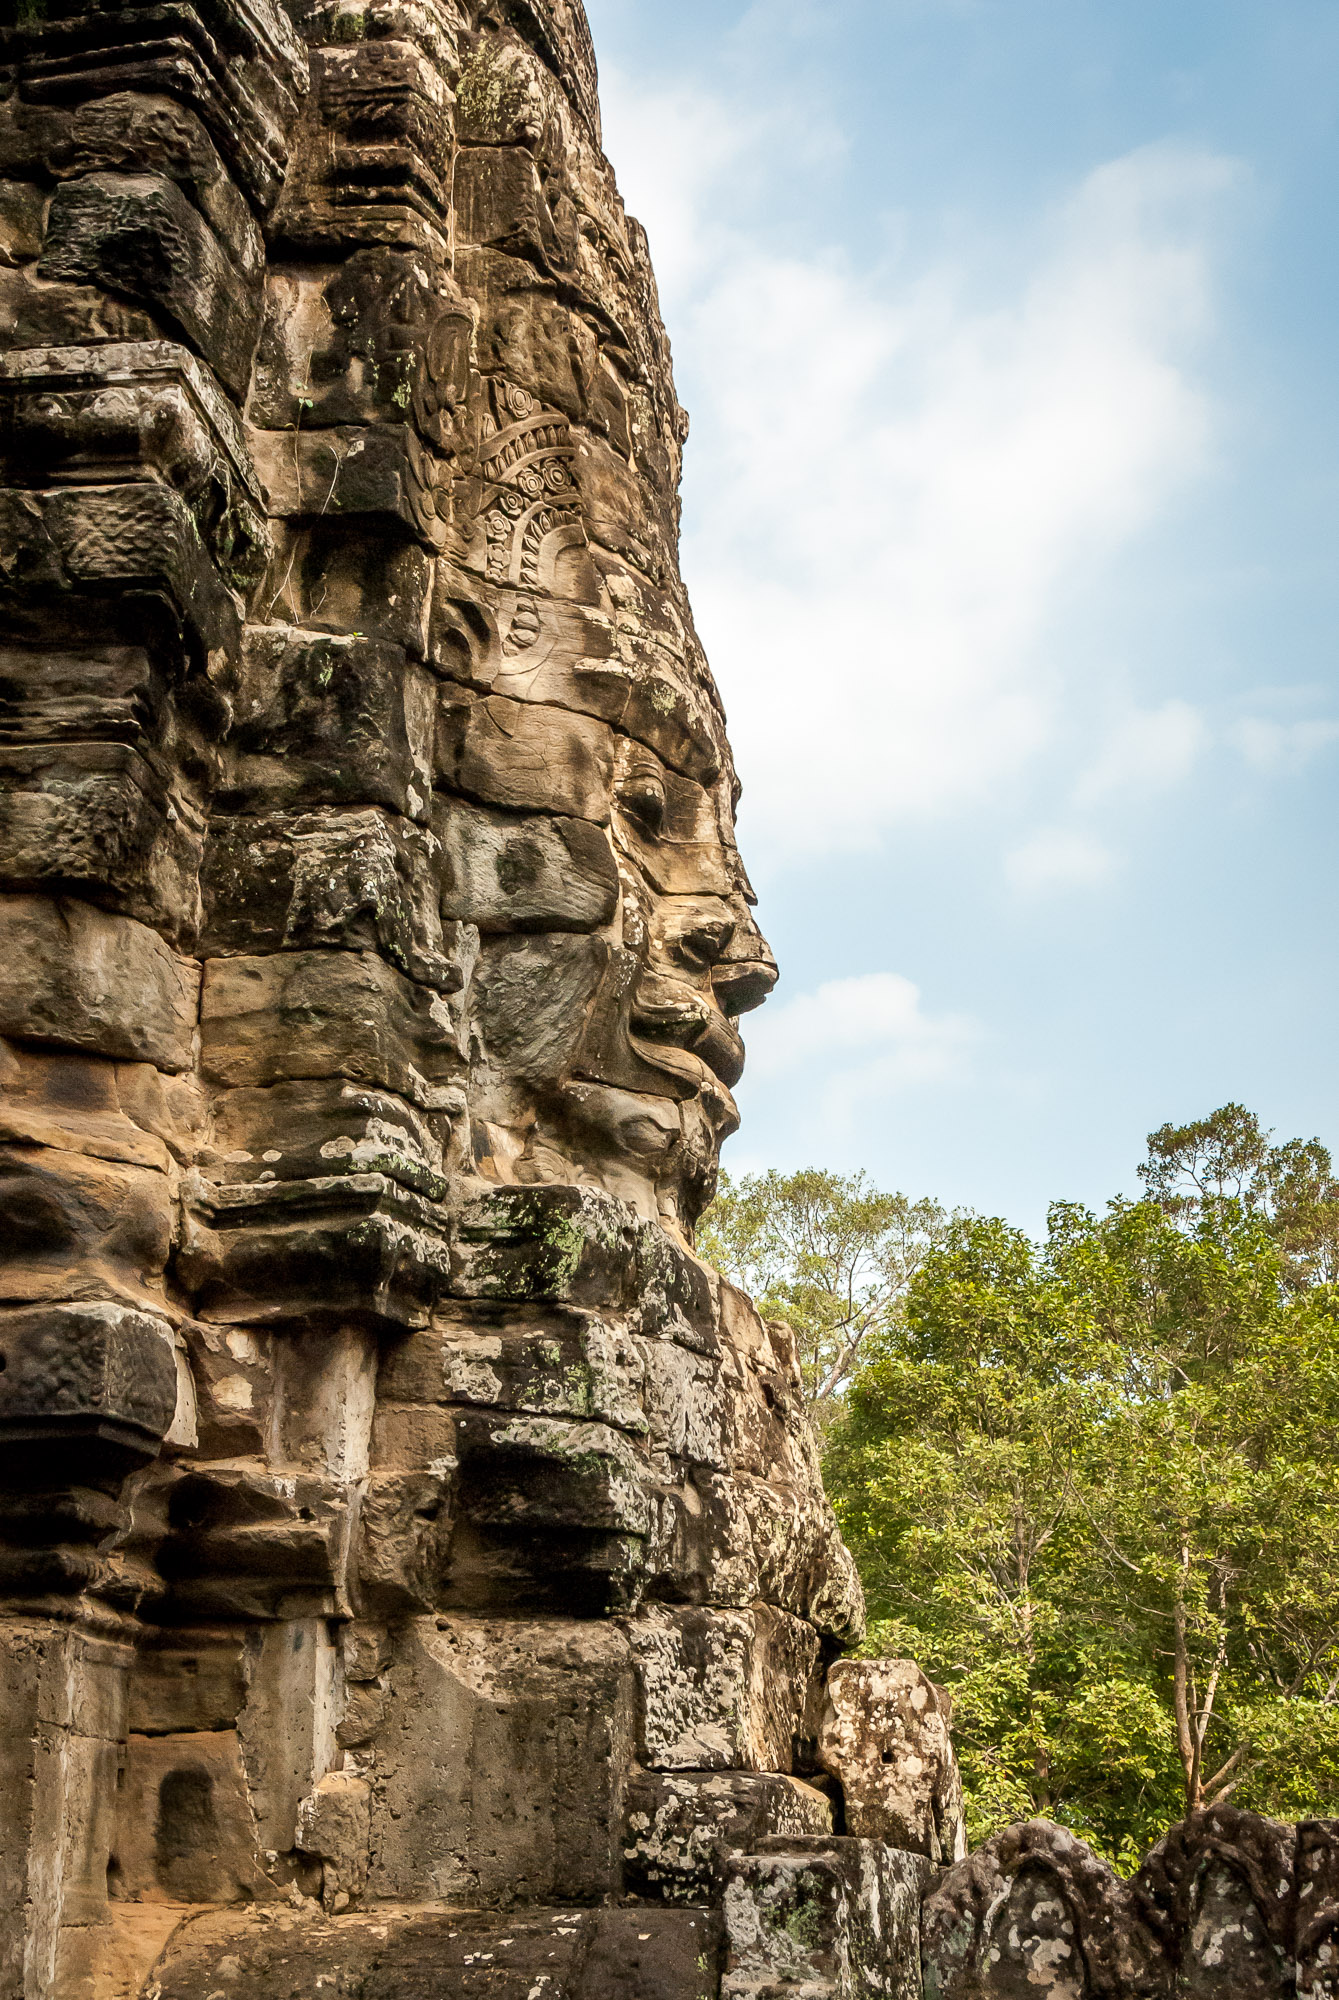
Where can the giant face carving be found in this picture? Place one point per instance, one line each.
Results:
(588, 831)
(582, 810)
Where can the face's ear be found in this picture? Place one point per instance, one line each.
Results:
(464, 640)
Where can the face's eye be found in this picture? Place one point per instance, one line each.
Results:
(643, 796)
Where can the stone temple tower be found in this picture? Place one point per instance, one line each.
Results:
(415, 1576)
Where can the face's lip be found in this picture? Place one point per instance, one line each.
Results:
(667, 1015)
(740, 985)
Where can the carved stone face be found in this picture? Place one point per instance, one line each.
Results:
(587, 826)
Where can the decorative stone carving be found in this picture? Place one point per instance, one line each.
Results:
(1229, 1906)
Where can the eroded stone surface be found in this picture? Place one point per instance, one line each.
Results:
(885, 1738)
(1227, 1904)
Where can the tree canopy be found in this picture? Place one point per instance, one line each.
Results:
(1090, 1482)
(825, 1252)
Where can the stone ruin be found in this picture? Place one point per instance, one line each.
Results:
(416, 1575)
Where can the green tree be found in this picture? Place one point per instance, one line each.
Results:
(1089, 1487)
(1229, 1157)
(827, 1253)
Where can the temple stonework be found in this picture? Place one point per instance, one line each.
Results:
(415, 1574)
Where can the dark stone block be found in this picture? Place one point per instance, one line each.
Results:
(137, 234)
(80, 1382)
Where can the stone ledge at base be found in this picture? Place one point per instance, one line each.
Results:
(417, 1954)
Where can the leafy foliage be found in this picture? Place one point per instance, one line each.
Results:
(828, 1254)
(1090, 1488)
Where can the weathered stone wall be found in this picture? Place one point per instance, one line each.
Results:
(398, 1524)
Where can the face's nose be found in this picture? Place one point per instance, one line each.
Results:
(745, 972)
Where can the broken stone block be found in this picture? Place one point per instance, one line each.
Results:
(885, 1738)
(82, 415)
(682, 1826)
(404, 1529)
(77, 547)
(77, 1227)
(335, 1825)
(826, 1919)
(1223, 1882)
(127, 132)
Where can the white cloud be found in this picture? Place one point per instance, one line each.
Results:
(1150, 749)
(1058, 858)
(870, 1032)
(1277, 748)
(896, 484)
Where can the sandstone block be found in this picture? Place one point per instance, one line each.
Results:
(565, 1245)
(532, 873)
(74, 1227)
(404, 1528)
(75, 415)
(136, 234)
(682, 1826)
(542, 1473)
(335, 1825)
(526, 758)
(185, 1831)
(130, 133)
(85, 1104)
(885, 1738)
(828, 1919)
(572, 1954)
(313, 1130)
(375, 585)
(242, 1542)
(366, 880)
(91, 543)
(326, 719)
(80, 1378)
(504, 1750)
(723, 1690)
(309, 1014)
(361, 1244)
(97, 818)
(75, 977)
(1036, 1910)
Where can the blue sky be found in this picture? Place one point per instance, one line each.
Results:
(1009, 329)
